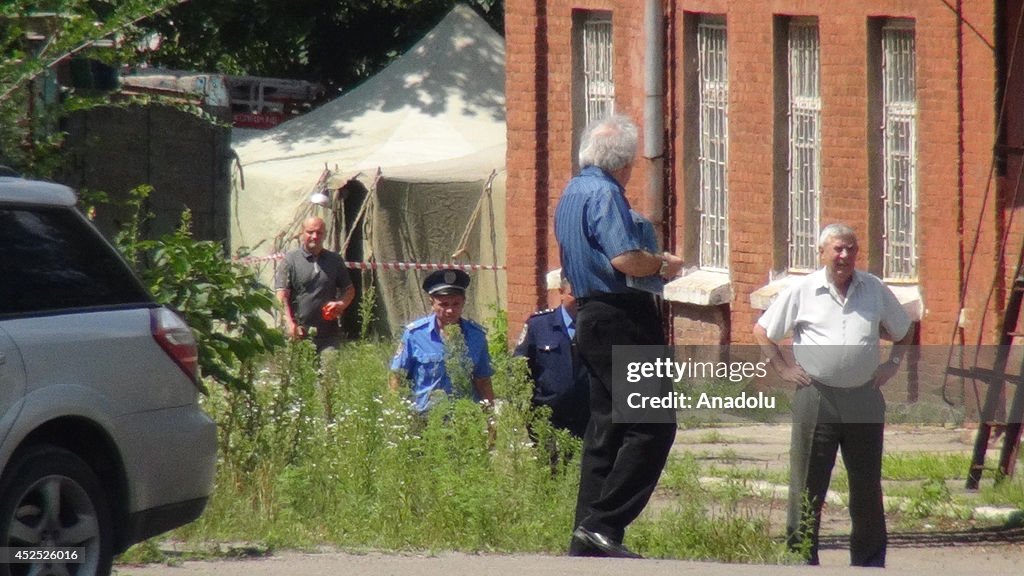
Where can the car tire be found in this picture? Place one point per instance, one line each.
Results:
(49, 497)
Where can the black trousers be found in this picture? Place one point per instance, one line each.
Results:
(825, 420)
(621, 462)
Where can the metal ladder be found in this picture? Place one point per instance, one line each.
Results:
(997, 379)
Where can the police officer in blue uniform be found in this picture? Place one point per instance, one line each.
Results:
(421, 356)
(560, 380)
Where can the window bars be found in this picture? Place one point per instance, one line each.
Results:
(804, 144)
(598, 72)
(713, 87)
(899, 142)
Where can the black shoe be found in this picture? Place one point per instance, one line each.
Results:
(588, 543)
(578, 547)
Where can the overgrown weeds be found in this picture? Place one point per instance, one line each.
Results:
(327, 455)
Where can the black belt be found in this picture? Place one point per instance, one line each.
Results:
(822, 385)
(616, 297)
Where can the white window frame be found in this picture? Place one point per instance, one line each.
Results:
(899, 151)
(713, 125)
(804, 222)
(598, 65)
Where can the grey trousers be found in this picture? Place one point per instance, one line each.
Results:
(825, 420)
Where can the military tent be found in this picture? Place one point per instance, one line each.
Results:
(412, 166)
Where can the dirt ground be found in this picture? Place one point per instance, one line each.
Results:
(949, 550)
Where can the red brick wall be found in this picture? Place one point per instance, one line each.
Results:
(700, 325)
(527, 189)
(538, 83)
(956, 133)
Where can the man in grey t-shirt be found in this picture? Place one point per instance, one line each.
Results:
(307, 284)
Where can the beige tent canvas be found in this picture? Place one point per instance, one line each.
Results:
(424, 139)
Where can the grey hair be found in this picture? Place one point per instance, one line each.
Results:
(609, 143)
(836, 230)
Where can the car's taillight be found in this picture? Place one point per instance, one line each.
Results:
(176, 338)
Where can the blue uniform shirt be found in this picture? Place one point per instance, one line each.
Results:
(561, 381)
(421, 356)
(569, 322)
(593, 224)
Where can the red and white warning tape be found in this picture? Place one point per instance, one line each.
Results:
(419, 266)
(258, 259)
(384, 265)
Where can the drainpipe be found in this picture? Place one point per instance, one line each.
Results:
(654, 109)
(654, 122)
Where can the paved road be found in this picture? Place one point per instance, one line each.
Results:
(950, 561)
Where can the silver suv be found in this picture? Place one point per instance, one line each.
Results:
(102, 441)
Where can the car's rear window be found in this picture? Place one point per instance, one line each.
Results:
(51, 259)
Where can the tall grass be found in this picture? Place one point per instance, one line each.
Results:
(331, 456)
(327, 455)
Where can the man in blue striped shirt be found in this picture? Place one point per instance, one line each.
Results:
(603, 252)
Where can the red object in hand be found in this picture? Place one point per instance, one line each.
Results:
(330, 313)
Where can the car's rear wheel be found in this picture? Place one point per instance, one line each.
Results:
(52, 499)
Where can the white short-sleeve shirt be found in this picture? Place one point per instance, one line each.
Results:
(835, 341)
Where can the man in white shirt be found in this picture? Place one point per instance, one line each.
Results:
(836, 316)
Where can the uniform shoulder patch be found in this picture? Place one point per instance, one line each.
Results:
(542, 312)
(522, 335)
(418, 323)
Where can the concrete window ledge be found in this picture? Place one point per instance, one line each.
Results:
(763, 297)
(701, 287)
(909, 296)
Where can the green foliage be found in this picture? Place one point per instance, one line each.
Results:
(921, 466)
(933, 496)
(336, 43)
(29, 103)
(328, 455)
(457, 362)
(367, 314)
(804, 538)
(221, 300)
(1007, 492)
(695, 532)
(701, 523)
(368, 472)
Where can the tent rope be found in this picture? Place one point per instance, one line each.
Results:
(462, 249)
(362, 212)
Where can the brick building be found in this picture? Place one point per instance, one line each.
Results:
(763, 120)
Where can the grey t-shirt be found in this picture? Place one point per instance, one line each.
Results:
(313, 281)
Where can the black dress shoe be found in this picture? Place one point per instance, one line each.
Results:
(597, 544)
(578, 547)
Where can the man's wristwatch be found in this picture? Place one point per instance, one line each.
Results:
(664, 267)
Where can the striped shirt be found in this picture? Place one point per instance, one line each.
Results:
(593, 224)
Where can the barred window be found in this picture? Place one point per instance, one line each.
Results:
(804, 144)
(597, 60)
(713, 99)
(899, 151)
